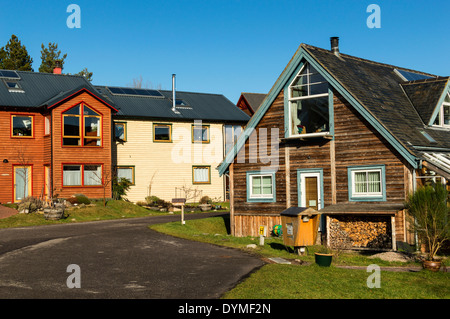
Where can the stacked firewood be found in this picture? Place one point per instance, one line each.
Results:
(349, 231)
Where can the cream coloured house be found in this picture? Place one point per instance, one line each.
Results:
(171, 149)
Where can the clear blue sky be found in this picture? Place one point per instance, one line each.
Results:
(227, 46)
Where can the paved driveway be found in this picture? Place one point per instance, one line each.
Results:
(116, 259)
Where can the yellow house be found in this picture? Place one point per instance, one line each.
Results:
(171, 150)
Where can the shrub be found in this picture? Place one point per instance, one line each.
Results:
(141, 203)
(428, 212)
(82, 199)
(152, 200)
(30, 205)
(205, 200)
(120, 187)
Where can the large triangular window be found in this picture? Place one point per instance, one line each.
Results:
(308, 104)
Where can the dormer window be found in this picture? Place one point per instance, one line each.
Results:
(443, 117)
(308, 104)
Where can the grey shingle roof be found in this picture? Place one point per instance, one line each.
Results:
(254, 99)
(380, 91)
(38, 88)
(198, 106)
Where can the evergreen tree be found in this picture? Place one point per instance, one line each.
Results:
(14, 56)
(85, 72)
(49, 56)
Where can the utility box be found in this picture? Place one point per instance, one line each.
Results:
(300, 226)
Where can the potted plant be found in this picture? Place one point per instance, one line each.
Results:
(205, 203)
(324, 256)
(428, 213)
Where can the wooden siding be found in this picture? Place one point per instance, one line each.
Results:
(18, 151)
(355, 143)
(81, 155)
(161, 167)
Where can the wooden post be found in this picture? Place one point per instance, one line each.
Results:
(180, 202)
(333, 172)
(287, 168)
(232, 224)
(394, 239)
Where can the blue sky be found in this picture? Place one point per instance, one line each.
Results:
(227, 46)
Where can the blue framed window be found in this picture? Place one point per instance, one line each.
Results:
(261, 186)
(366, 183)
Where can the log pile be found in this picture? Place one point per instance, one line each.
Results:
(350, 231)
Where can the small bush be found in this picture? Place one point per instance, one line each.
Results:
(152, 200)
(141, 203)
(79, 199)
(205, 200)
(30, 205)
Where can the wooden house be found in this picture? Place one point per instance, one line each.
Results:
(169, 147)
(250, 102)
(56, 140)
(346, 136)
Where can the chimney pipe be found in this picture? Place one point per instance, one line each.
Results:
(58, 68)
(173, 93)
(335, 45)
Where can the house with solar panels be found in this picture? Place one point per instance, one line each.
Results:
(354, 137)
(56, 137)
(63, 136)
(168, 144)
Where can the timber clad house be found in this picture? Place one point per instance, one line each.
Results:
(354, 138)
(63, 136)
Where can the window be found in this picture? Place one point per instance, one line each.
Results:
(367, 183)
(81, 127)
(47, 125)
(13, 86)
(308, 103)
(82, 175)
(201, 174)
(162, 133)
(120, 131)
(200, 133)
(21, 126)
(232, 133)
(443, 117)
(261, 187)
(126, 172)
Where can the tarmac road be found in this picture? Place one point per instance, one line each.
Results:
(121, 259)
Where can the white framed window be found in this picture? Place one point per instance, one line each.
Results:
(201, 174)
(367, 183)
(443, 117)
(308, 104)
(261, 187)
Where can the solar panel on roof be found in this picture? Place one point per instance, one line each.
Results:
(411, 76)
(9, 74)
(133, 91)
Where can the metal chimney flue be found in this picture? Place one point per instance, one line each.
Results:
(335, 45)
(173, 93)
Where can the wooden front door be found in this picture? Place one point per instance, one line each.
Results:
(310, 190)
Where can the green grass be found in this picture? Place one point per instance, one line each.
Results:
(279, 281)
(114, 209)
(274, 281)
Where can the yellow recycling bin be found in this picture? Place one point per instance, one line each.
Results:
(300, 226)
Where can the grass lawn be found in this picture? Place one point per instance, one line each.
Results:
(114, 209)
(279, 281)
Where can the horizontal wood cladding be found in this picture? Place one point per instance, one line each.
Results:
(17, 151)
(355, 143)
(81, 155)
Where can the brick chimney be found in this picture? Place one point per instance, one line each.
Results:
(58, 68)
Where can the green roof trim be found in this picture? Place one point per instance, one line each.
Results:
(439, 103)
